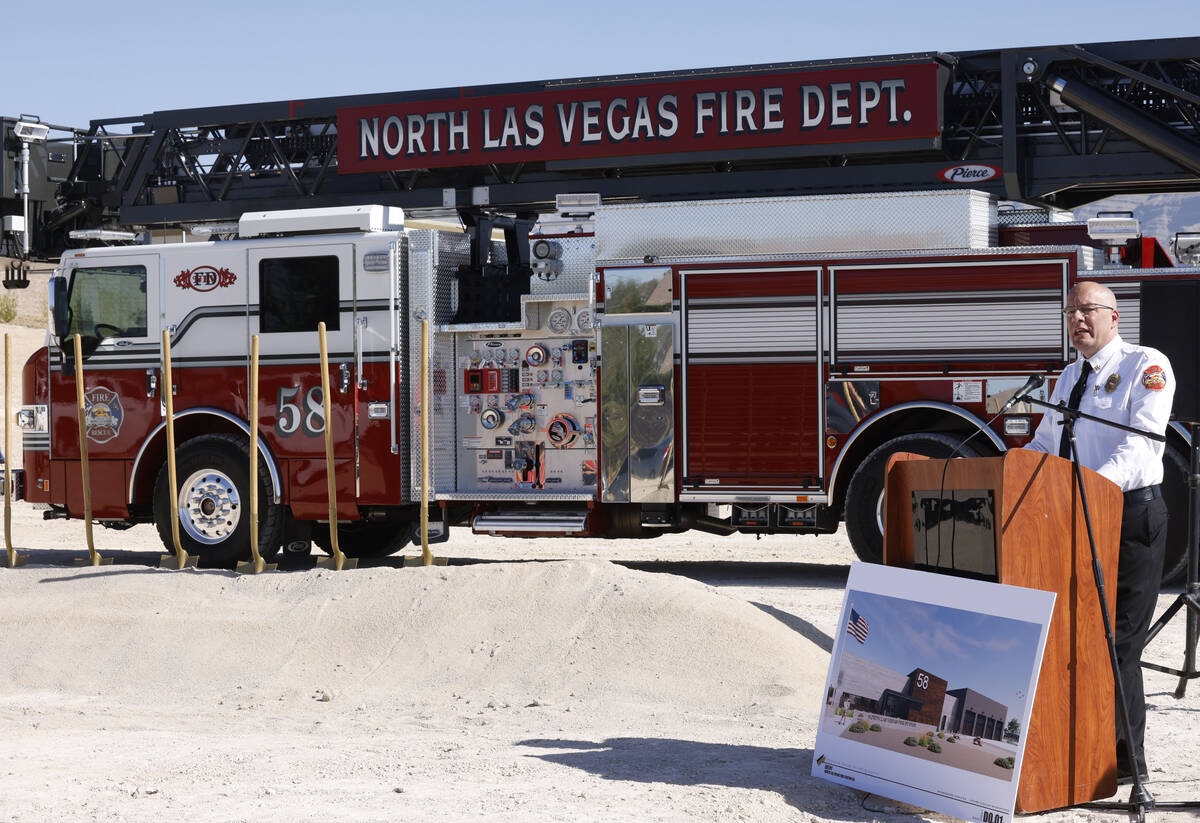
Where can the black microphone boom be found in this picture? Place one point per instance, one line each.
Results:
(1034, 381)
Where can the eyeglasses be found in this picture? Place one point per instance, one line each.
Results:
(1086, 310)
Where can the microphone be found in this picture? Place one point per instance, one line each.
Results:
(1034, 381)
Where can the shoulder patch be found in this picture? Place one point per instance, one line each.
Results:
(1154, 378)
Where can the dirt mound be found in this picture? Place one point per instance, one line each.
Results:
(505, 632)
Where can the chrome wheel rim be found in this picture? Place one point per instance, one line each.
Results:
(209, 506)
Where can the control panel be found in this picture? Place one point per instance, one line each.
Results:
(527, 405)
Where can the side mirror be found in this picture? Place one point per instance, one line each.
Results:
(58, 306)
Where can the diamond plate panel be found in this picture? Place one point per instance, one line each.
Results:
(1033, 217)
(578, 265)
(401, 390)
(421, 258)
(796, 225)
(1085, 257)
(453, 250)
(434, 257)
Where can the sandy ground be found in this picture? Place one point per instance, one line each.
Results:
(683, 686)
(563, 690)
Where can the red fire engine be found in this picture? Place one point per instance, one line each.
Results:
(786, 274)
(731, 366)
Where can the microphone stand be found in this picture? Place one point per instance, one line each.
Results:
(1140, 799)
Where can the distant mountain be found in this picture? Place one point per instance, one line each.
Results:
(1161, 215)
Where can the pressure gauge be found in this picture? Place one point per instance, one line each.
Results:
(583, 319)
(536, 355)
(559, 321)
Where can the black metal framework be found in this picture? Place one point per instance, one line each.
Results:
(1066, 124)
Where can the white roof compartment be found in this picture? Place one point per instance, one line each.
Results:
(307, 221)
(813, 224)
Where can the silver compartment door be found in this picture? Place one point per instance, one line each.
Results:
(637, 419)
(652, 413)
(614, 414)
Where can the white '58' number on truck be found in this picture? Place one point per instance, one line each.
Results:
(290, 417)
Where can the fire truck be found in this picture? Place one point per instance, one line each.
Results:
(715, 300)
(609, 371)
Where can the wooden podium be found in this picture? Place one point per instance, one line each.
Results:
(1041, 542)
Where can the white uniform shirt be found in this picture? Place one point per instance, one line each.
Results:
(1132, 385)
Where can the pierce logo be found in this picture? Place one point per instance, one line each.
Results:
(969, 173)
(205, 278)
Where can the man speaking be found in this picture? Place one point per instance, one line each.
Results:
(1134, 386)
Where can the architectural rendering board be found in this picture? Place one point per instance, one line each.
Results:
(930, 690)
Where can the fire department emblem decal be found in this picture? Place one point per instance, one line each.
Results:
(102, 414)
(205, 278)
(1154, 378)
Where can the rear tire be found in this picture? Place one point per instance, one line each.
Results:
(213, 502)
(365, 538)
(864, 495)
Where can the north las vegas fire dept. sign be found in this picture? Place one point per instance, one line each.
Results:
(785, 112)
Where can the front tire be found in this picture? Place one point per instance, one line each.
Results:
(864, 495)
(213, 501)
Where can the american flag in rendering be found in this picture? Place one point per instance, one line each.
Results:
(857, 627)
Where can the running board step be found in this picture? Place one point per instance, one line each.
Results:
(541, 522)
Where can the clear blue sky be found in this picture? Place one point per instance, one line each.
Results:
(69, 62)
